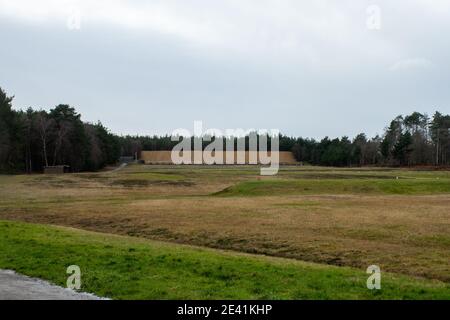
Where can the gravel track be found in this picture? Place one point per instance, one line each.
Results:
(15, 286)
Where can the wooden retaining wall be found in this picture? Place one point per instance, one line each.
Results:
(164, 157)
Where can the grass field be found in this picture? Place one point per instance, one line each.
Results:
(130, 268)
(341, 220)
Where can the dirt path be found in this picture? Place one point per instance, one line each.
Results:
(15, 286)
(123, 165)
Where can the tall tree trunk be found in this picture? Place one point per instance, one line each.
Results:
(44, 143)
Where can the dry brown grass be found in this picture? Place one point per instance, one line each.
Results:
(403, 234)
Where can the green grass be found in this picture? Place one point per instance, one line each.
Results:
(338, 186)
(131, 268)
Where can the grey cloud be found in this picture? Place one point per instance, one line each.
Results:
(306, 69)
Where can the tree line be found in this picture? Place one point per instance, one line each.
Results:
(33, 139)
(411, 140)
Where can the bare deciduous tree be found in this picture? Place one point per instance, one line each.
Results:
(44, 124)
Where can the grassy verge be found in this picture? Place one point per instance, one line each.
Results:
(338, 186)
(131, 268)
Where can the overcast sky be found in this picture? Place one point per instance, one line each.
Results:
(308, 68)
